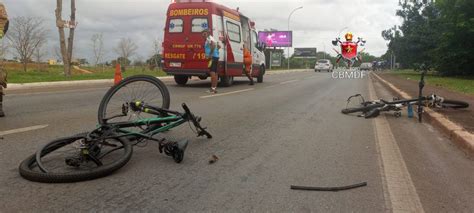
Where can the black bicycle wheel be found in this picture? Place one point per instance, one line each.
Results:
(64, 161)
(116, 105)
(454, 104)
(361, 109)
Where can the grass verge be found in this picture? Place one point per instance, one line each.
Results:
(464, 84)
(55, 73)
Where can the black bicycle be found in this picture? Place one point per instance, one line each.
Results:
(131, 113)
(371, 109)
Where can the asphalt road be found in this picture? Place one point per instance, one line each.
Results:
(285, 131)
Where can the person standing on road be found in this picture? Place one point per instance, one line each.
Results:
(211, 48)
(3, 74)
(248, 63)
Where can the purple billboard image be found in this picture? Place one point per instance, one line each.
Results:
(276, 38)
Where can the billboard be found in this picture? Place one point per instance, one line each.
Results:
(305, 53)
(276, 38)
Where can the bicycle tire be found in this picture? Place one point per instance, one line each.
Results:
(159, 85)
(361, 109)
(28, 171)
(453, 104)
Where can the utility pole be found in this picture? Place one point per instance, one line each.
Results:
(66, 49)
(288, 48)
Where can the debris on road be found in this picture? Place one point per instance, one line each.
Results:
(213, 159)
(331, 189)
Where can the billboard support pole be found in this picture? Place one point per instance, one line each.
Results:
(271, 58)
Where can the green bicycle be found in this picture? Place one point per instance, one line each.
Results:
(131, 112)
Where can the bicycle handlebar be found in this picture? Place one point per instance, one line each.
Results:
(196, 121)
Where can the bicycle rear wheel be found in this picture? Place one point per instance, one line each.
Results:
(116, 105)
(454, 104)
(361, 109)
(71, 159)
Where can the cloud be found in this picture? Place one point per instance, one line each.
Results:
(143, 20)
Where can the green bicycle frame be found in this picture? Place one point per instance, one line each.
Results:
(171, 121)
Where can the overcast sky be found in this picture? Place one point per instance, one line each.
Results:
(143, 20)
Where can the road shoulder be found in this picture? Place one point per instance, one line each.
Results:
(455, 130)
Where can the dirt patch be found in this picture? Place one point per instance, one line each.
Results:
(463, 117)
(80, 70)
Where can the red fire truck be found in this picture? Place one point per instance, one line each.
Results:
(183, 45)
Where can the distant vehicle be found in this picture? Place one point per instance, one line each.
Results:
(366, 66)
(323, 64)
(183, 45)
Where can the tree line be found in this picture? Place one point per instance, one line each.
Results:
(28, 36)
(438, 33)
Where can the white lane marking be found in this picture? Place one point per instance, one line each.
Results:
(271, 86)
(398, 185)
(290, 81)
(25, 129)
(59, 92)
(227, 93)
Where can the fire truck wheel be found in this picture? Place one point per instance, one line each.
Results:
(181, 79)
(202, 77)
(227, 81)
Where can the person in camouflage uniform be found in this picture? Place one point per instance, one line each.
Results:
(3, 74)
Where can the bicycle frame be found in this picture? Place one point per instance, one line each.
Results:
(407, 101)
(373, 108)
(171, 118)
(171, 122)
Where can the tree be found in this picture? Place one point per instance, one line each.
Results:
(66, 50)
(97, 47)
(125, 49)
(38, 55)
(456, 40)
(413, 42)
(439, 33)
(57, 53)
(156, 54)
(25, 35)
(122, 61)
(138, 62)
(367, 57)
(154, 61)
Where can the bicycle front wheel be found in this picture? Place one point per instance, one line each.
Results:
(77, 158)
(454, 104)
(116, 106)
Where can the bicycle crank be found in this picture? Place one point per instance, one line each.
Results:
(173, 149)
